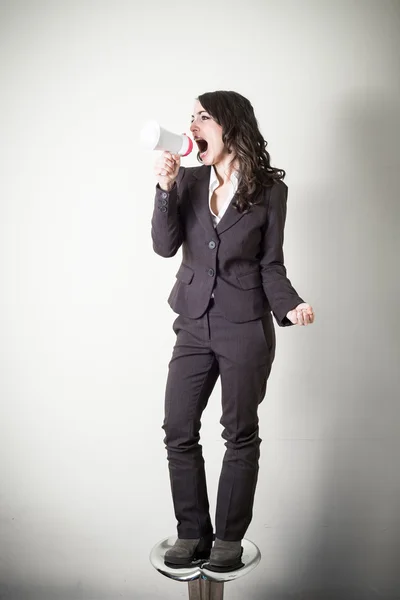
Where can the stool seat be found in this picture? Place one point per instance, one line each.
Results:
(250, 559)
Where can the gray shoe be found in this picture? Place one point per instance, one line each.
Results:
(225, 556)
(184, 552)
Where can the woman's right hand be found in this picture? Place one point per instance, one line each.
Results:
(166, 169)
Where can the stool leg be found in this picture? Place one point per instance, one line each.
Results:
(204, 589)
(194, 590)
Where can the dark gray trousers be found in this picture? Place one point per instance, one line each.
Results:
(242, 355)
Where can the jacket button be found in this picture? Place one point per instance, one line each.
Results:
(163, 202)
(164, 195)
(211, 272)
(212, 244)
(163, 208)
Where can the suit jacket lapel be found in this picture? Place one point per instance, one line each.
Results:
(199, 190)
(230, 218)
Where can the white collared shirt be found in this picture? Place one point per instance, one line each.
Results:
(214, 183)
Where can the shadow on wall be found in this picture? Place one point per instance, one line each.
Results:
(354, 551)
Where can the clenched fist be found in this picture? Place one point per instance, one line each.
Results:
(166, 169)
(303, 314)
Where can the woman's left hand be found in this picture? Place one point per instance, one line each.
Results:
(303, 314)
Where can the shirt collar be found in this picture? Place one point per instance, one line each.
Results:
(214, 180)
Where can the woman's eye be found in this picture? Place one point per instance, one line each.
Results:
(203, 118)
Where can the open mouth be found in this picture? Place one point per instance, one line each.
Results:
(202, 146)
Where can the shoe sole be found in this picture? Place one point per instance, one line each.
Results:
(225, 569)
(219, 568)
(187, 562)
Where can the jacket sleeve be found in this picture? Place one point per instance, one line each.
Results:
(281, 295)
(166, 225)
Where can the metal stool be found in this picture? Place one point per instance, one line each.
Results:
(204, 584)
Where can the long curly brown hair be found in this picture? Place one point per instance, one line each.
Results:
(241, 135)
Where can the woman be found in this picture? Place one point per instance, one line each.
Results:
(228, 215)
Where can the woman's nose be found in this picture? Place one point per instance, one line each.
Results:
(193, 127)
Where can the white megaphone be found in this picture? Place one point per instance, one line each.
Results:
(155, 137)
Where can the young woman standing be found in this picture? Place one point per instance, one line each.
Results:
(228, 216)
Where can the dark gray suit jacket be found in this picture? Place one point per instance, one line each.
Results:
(240, 261)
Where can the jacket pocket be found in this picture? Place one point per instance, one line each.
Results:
(251, 280)
(185, 274)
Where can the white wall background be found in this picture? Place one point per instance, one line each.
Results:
(85, 328)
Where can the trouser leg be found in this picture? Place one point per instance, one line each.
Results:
(193, 371)
(245, 354)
